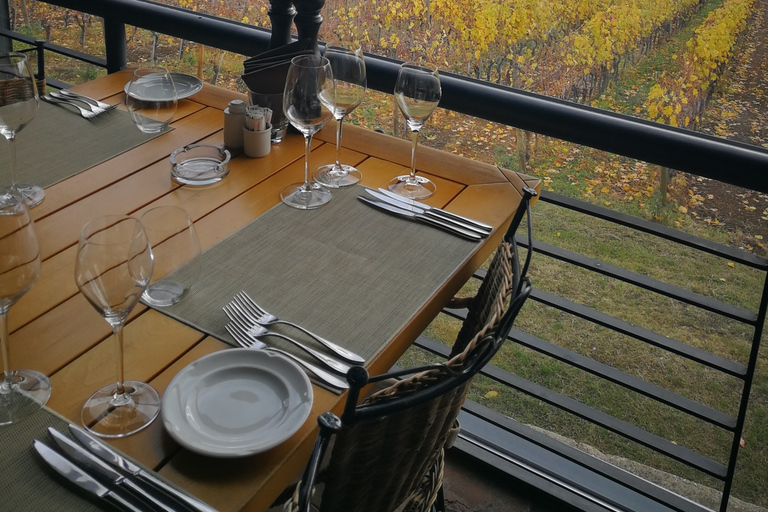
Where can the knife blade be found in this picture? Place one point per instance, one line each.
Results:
(418, 209)
(450, 228)
(82, 479)
(111, 456)
(104, 472)
(436, 211)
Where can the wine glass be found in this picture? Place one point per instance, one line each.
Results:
(21, 391)
(151, 99)
(18, 106)
(114, 265)
(309, 79)
(417, 93)
(348, 68)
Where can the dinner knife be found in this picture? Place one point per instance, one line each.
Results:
(111, 456)
(418, 209)
(82, 479)
(437, 211)
(78, 454)
(445, 226)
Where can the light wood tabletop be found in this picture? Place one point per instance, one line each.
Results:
(55, 330)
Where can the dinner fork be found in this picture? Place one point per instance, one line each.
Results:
(77, 101)
(246, 341)
(88, 114)
(237, 316)
(262, 317)
(100, 104)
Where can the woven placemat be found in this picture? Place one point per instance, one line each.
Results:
(346, 271)
(58, 143)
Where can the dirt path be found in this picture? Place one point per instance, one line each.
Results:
(738, 112)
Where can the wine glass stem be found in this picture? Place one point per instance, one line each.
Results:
(307, 151)
(12, 155)
(118, 337)
(4, 349)
(414, 143)
(339, 121)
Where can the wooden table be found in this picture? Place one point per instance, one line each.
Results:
(56, 331)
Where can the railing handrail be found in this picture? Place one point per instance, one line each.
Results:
(685, 150)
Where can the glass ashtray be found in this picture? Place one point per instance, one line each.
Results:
(199, 164)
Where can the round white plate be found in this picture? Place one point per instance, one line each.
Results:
(186, 86)
(236, 402)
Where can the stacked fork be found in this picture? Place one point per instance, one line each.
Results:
(249, 322)
(89, 108)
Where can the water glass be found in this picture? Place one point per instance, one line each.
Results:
(151, 99)
(177, 253)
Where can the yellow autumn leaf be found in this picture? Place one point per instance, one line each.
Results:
(731, 264)
(491, 394)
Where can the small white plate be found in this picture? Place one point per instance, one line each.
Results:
(186, 85)
(236, 402)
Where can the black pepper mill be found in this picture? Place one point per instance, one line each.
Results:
(308, 18)
(281, 13)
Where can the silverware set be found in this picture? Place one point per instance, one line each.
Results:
(98, 469)
(398, 205)
(249, 323)
(88, 108)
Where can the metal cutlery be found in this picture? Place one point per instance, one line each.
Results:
(78, 101)
(262, 317)
(86, 113)
(109, 455)
(420, 217)
(237, 315)
(88, 99)
(89, 462)
(425, 211)
(437, 211)
(245, 341)
(82, 479)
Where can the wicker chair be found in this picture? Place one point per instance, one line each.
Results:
(12, 90)
(388, 452)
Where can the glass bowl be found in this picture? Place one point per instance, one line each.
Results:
(199, 164)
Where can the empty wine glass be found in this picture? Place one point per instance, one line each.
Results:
(176, 250)
(113, 267)
(151, 99)
(18, 106)
(350, 82)
(417, 93)
(21, 391)
(309, 78)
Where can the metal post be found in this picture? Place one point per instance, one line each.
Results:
(114, 43)
(6, 44)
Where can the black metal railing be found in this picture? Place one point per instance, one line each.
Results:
(523, 452)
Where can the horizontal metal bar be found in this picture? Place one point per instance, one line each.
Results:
(62, 50)
(653, 338)
(665, 396)
(645, 282)
(653, 228)
(624, 429)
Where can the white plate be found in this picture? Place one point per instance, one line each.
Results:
(236, 402)
(186, 86)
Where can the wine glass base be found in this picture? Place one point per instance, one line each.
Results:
(24, 393)
(337, 176)
(305, 196)
(163, 293)
(33, 195)
(110, 415)
(418, 188)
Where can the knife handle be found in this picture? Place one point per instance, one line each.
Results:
(434, 213)
(451, 228)
(121, 503)
(191, 504)
(456, 216)
(142, 494)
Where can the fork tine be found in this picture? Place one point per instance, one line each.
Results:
(239, 338)
(252, 303)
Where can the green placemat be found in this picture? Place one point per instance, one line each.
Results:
(58, 144)
(346, 271)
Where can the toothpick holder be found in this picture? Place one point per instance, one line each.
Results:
(257, 144)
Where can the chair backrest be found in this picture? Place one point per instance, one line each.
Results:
(389, 449)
